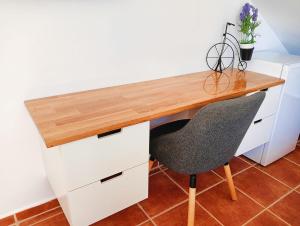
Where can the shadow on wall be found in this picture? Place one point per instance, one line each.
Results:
(283, 17)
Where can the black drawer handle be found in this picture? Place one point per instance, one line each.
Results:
(266, 89)
(111, 177)
(109, 133)
(257, 121)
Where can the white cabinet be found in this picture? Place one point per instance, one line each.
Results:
(96, 177)
(98, 200)
(259, 132)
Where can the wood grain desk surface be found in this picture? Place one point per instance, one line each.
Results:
(65, 118)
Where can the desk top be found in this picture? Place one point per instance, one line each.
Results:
(69, 117)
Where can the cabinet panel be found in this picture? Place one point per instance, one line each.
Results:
(88, 160)
(96, 201)
(258, 133)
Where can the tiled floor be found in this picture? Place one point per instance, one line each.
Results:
(267, 196)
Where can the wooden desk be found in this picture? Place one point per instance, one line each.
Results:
(65, 118)
(107, 174)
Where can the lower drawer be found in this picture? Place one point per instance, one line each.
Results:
(258, 133)
(98, 200)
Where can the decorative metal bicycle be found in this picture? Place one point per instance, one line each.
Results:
(221, 55)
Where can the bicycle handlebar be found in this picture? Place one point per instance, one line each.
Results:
(231, 24)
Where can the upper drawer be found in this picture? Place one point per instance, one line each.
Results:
(257, 134)
(270, 103)
(91, 159)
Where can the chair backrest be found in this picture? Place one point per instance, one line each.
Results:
(214, 134)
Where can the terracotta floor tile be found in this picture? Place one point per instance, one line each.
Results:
(148, 223)
(7, 220)
(263, 188)
(163, 193)
(218, 202)
(236, 165)
(178, 217)
(294, 156)
(284, 171)
(37, 210)
(130, 216)
(288, 208)
(266, 218)
(204, 180)
(154, 170)
(41, 217)
(250, 161)
(57, 220)
(298, 189)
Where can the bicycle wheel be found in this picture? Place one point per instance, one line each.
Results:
(220, 56)
(242, 65)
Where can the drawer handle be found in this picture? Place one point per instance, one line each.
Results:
(266, 89)
(257, 121)
(111, 177)
(109, 133)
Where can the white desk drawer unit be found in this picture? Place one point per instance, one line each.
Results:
(93, 158)
(260, 129)
(258, 133)
(270, 103)
(98, 200)
(90, 177)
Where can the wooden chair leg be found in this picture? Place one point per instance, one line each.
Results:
(230, 182)
(192, 201)
(150, 164)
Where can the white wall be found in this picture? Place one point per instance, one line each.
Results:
(283, 17)
(49, 47)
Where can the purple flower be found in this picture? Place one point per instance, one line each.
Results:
(246, 9)
(242, 16)
(255, 15)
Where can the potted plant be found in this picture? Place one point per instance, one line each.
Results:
(249, 23)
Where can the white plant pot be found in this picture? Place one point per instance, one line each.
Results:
(247, 46)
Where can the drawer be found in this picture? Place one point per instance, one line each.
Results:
(88, 160)
(258, 133)
(270, 103)
(96, 201)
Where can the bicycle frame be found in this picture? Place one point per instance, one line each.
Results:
(229, 40)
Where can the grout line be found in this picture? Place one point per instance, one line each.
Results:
(255, 216)
(147, 215)
(291, 161)
(29, 218)
(44, 219)
(267, 208)
(217, 174)
(16, 220)
(248, 196)
(170, 208)
(214, 185)
(264, 208)
(252, 164)
(178, 185)
(271, 212)
(278, 200)
(145, 221)
(209, 213)
(273, 177)
(241, 171)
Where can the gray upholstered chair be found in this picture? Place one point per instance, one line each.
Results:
(207, 141)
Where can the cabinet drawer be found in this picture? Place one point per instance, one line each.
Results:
(88, 160)
(258, 133)
(96, 201)
(270, 103)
